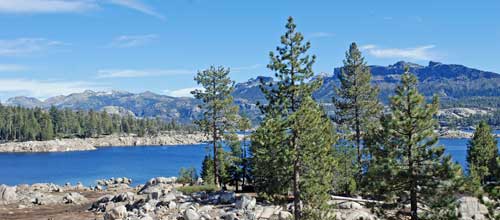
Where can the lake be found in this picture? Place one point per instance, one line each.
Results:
(138, 163)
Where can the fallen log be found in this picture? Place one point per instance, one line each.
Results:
(356, 199)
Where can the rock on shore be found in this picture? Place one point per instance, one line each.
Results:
(159, 199)
(78, 144)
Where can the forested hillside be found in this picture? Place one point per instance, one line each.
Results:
(27, 124)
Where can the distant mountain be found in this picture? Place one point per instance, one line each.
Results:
(451, 82)
(146, 104)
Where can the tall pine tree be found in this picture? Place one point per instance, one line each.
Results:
(406, 158)
(219, 112)
(356, 103)
(277, 143)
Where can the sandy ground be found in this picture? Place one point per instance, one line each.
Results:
(53, 212)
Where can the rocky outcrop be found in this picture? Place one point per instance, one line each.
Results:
(62, 145)
(7, 194)
(470, 208)
(78, 144)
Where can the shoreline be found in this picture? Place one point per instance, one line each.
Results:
(89, 144)
(166, 139)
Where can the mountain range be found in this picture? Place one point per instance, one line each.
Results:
(451, 82)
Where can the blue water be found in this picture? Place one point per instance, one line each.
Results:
(457, 148)
(138, 163)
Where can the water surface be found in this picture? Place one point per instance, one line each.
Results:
(138, 163)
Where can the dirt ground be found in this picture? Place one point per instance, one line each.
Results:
(52, 212)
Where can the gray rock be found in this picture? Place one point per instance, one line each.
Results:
(227, 197)
(146, 217)
(74, 198)
(117, 213)
(230, 216)
(471, 208)
(45, 199)
(7, 193)
(172, 205)
(122, 197)
(284, 215)
(246, 202)
(191, 214)
(168, 197)
(360, 215)
(349, 205)
(267, 212)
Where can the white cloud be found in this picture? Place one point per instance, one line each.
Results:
(126, 41)
(11, 68)
(244, 68)
(45, 6)
(321, 34)
(416, 53)
(136, 73)
(184, 92)
(22, 46)
(138, 6)
(71, 6)
(44, 89)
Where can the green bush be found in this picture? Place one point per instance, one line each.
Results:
(197, 188)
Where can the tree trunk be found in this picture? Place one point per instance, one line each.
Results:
(296, 190)
(216, 171)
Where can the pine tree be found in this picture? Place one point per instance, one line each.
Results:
(315, 140)
(482, 153)
(356, 103)
(219, 112)
(272, 168)
(406, 158)
(207, 172)
(293, 70)
(47, 131)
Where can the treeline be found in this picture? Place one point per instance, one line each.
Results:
(492, 119)
(363, 150)
(25, 124)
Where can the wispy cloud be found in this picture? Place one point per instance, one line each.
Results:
(136, 73)
(12, 68)
(321, 34)
(138, 6)
(184, 92)
(45, 6)
(44, 89)
(22, 46)
(415, 53)
(126, 41)
(245, 68)
(71, 6)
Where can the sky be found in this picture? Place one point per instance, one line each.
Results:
(58, 47)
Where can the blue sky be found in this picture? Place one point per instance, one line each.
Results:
(54, 47)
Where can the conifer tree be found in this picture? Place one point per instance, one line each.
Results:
(219, 112)
(272, 165)
(482, 153)
(406, 158)
(315, 140)
(207, 173)
(356, 103)
(276, 143)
